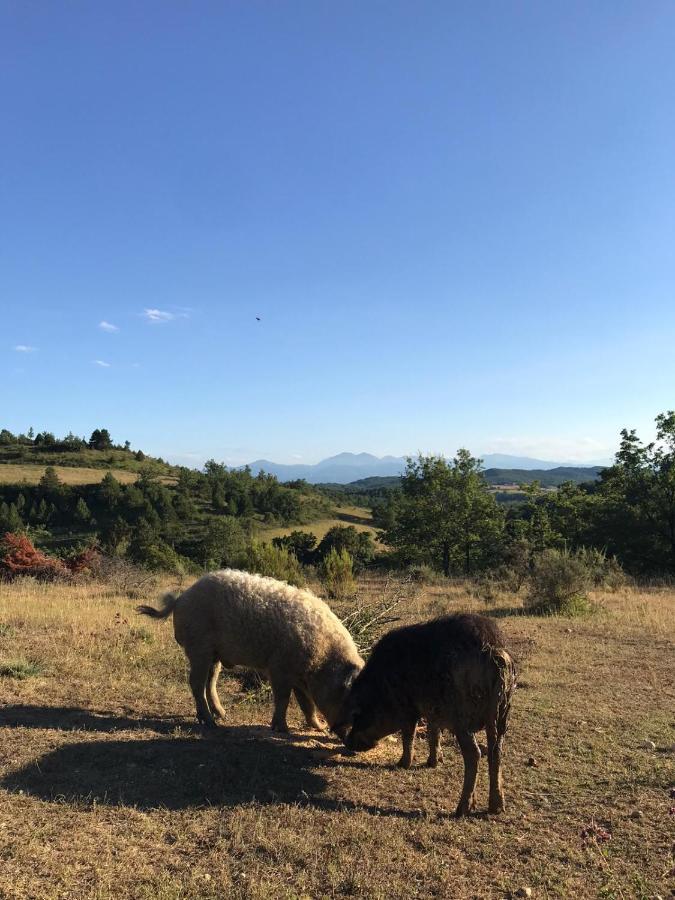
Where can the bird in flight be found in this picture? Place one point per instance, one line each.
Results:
(257, 318)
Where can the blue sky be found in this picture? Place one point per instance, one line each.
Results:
(454, 220)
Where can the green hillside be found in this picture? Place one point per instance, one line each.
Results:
(71, 492)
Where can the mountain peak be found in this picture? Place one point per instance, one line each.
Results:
(346, 467)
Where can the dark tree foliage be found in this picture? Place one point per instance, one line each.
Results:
(100, 439)
(359, 544)
(302, 544)
(444, 515)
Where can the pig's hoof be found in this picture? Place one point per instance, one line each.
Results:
(280, 728)
(496, 806)
(404, 763)
(432, 763)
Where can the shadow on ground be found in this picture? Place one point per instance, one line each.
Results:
(237, 767)
(73, 718)
(231, 766)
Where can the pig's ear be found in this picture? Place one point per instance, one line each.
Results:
(350, 675)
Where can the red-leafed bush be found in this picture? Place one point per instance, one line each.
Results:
(18, 556)
(88, 560)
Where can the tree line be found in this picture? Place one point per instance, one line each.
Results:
(445, 515)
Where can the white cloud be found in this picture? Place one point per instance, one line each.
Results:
(162, 316)
(107, 326)
(24, 348)
(101, 362)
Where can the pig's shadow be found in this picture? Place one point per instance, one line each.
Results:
(172, 773)
(228, 767)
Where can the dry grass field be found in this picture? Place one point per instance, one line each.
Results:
(358, 516)
(108, 789)
(11, 473)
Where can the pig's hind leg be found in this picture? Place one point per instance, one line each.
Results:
(471, 753)
(212, 691)
(201, 662)
(435, 752)
(308, 708)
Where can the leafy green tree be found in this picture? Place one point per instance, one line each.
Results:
(6, 437)
(115, 535)
(223, 542)
(446, 515)
(635, 511)
(100, 439)
(109, 492)
(45, 439)
(82, 513)
(73, 442)
(43, 513)
(337, 574)
(276, 562)
(10, 520)
(359, 544)
(300, 543)
(50, 483)
(147, 548)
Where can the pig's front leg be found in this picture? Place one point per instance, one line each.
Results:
(408, 736)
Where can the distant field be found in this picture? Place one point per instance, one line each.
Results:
(357, 516)
(31, 474)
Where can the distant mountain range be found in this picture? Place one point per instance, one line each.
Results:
(347, 467)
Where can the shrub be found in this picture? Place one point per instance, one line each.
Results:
(337, 574)
(84, 561)
(276, 562)
(358, 544)
(18, 556)
(424, 574)
(558, 582)
(301, 543)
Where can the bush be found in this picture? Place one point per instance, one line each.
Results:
(275, 562)
(337, 574)
(18, 556)
(558, 582)
(421, 573)
(300, 543)
(358, 544)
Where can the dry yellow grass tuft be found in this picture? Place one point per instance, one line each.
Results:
(109, 790)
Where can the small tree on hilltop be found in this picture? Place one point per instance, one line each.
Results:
(100, 439)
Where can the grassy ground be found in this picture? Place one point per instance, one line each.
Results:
(357, 516)
(109, 790)
(11, 473)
